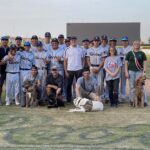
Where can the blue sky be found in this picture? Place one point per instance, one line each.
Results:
(28, 17)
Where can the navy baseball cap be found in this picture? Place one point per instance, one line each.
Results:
(61, 36)
(34, 37)
(13, 47)
(73, 38)
(67, 40)
(39, 44)
(4, 38)
(104, 37)
(125, 38)
(86, 40)
(47, 34)
(96, 38)
(18, 38)
(113, 39)
(27, 44)
(55, 40)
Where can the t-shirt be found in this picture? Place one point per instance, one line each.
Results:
(74, 56)
(112, 63)
(141, 57)
(90, 84)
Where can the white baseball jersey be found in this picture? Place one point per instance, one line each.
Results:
(104, 50)
(62, 46)
(74, 56)
(27, 60)
(14, 65)
(40, 57)
(95, 55)
(123, 51)
(47, 46)
(52, 56)
(33, 48)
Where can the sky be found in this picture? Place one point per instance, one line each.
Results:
(28, 17)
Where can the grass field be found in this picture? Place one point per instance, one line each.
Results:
(123, 128)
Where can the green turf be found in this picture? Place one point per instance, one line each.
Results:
(45, 129)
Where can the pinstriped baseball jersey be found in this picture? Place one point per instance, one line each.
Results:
(40, 57)
(95, 55)
(27, 60)
(14, 65)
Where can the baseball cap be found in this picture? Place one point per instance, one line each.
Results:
(18, 38)
(47, 34)
(73, 38)
(96, 38)
(104, 37)
(67, 40)
(113, 39)
(39, 44)
(34, 37)
(27, 44)
(61, 36)
(4, 38)
(55, 40)
(86, 40)
(125, 38)
(54, 68)
(13, 47)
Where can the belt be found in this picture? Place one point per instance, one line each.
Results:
(13, 72)
(94, 65)
(43, 68)
(24, 69)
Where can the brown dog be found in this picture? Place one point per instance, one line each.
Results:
(139, 95)
(31, 94)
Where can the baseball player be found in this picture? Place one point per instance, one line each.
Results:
(34, 41)
(18, 41)
(41, 59)
(47, 42)
(94, 59)
(122, 53)
(27, 60)
(62, 45)
(12, 77)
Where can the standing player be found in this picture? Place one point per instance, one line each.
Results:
(41, 59)
(3, 52)
(34, 42)
(12, 78)
(95, 61)
(47, 42)
(61, 42)
(104, 50)
(18, 41)
(27, 60)
(122, 52)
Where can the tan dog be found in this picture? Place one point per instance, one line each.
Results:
(139, 95)
(31, 94)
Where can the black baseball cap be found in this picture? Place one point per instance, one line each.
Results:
(18, 38)
(73, 38)
(47, 34)
(4, 38)
(13, 47)
(34, 37)
(55, 40)
(39, 44)
(96, 38)
(60, 36)
(104, 37)
(86, 40)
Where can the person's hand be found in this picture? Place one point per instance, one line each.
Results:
(127, 74)
(94, 70)
(66, 74)
(46, 61)
(57, 59)
(97, 98)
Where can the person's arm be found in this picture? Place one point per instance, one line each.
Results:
(126, 69)
(78, 93)
(65, 66)
(88, 61)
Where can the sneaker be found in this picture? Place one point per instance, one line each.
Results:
(145, 104)
(17, 103)
(7, 103)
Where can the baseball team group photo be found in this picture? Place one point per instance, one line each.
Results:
(74, 75)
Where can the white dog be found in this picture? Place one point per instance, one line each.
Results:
(86, 105)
